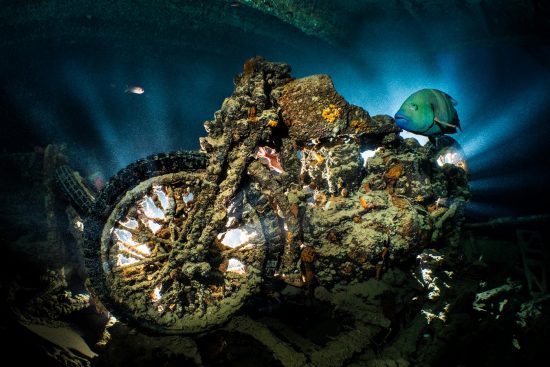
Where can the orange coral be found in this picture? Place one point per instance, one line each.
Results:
(357, 257)
(366, 187)
(272, 123)
(320, 198)
(308, 254)
(346, 268)
(289, 236)
(358, 125)
(395, 171)
(252, 114)
(318, 158)
(331, 113)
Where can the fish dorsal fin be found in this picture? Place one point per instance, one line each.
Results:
(453, 101)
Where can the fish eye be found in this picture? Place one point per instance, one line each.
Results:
(414, 107)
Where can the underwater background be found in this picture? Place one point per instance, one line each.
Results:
(67, 69)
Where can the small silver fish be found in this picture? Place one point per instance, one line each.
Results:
(134, 89)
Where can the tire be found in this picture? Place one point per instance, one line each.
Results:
(81, 197)
(139, 264)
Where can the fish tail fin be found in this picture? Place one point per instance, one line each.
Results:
(127, 89)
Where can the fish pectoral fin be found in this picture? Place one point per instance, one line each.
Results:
(438, 121)
(458, 124)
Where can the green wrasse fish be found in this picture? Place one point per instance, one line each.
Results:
(428, 112)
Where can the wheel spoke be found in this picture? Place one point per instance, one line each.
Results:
(156, 277)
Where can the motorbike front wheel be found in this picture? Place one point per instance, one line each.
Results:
(140, 264)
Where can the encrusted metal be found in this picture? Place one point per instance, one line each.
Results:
(293, 186)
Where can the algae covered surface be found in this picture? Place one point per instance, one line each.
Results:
(304, 225)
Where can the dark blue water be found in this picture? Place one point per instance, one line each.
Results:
(74, 93)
